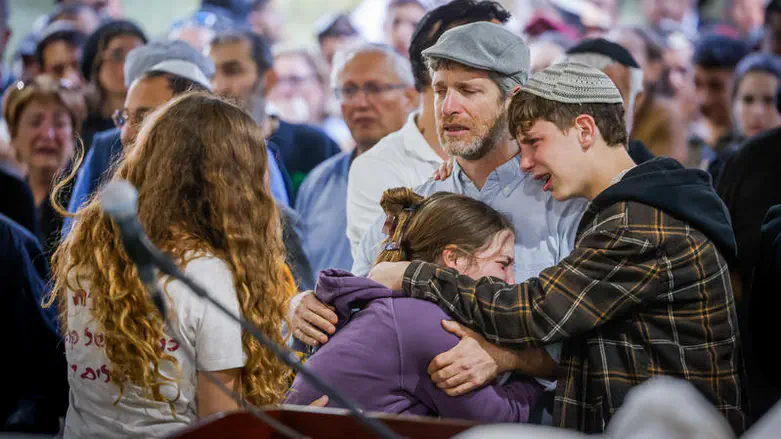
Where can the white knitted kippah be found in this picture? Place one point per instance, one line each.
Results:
(573, 83)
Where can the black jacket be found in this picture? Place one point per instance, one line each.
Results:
(301, 148)
(686, 194)
(35, 394)
(763, 305)
(17, 203)
(750, 184)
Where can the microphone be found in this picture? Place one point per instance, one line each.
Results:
(120, 200)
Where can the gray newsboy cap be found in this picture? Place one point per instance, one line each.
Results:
(484, 46)
(175, 57)
(573, 83)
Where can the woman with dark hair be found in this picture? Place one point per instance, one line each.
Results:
(755, 98)
(103, 65)
(198, 164)
(380, 354)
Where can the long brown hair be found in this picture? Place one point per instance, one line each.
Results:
(199, 166)
(421, 228)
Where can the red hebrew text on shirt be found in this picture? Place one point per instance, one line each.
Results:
(80, 298)
(97, 339)
(171, 344)
(72, 338)
(89, 374)
(101, 373)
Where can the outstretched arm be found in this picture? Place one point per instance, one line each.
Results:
(607, 275)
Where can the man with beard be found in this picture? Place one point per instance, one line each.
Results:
(244, 74)
(473, 83)
(646, 292)
(410, 156)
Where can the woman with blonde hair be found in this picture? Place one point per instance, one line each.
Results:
(44, 118)
(199, 165)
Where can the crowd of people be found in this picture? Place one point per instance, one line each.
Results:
(499, 215)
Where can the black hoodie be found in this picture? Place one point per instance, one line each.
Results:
(686, 194)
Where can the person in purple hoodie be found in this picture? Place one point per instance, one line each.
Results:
(382, 348)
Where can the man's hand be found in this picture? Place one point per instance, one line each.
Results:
(311, 320)
(320, 402)
(473, 363)
(444, 170)
(389, 274)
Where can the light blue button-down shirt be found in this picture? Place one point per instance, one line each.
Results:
(322, 204)
(544, 228)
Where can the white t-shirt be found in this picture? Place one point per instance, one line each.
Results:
(198, 326)
(401, 159)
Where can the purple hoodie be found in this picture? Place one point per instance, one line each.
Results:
(380, 357)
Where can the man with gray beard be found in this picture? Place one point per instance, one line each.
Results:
(475, 69)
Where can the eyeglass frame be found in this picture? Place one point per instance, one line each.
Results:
(120, 117)
(366, 89)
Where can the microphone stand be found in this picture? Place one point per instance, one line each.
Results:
(147, 275)
(119, 199)
(167, 266)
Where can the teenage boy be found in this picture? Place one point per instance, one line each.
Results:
(645, 292)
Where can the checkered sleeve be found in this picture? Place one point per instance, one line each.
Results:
(610, 273)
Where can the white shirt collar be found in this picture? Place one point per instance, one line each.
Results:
(414, 142)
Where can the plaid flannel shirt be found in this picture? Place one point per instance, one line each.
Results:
(642, 294)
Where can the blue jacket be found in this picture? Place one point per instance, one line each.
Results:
(107, 148)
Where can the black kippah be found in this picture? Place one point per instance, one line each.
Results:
(612, 50)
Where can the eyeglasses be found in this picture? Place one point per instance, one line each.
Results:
(121, 117)
(370, 89)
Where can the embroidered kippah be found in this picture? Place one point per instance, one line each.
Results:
(573, 83)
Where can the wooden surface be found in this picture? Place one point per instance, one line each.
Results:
(319, 423)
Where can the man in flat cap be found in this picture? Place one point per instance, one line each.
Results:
(645, 292)
(475, 69)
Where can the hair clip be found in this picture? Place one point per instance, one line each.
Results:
(392, 246)
(412, 207)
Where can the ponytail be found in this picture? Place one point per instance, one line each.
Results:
(421, 228)
(400, 206)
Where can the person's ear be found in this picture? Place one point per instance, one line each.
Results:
(587, 130)
(269, 79)
(451, 257)
(639, 101)
(509, 97)
(413, 98)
